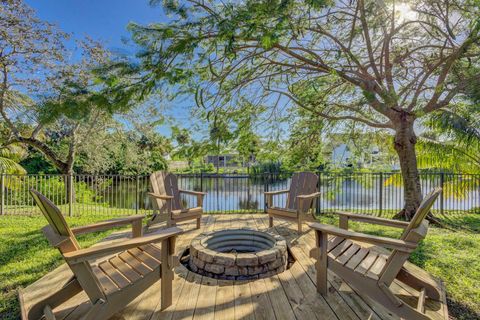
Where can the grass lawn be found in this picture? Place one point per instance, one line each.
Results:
(452, 255)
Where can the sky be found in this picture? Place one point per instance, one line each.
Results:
(106, 21)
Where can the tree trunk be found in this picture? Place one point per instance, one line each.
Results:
(69, 181)
(404, 144)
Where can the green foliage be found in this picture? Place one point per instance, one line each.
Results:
(266, 167)
(79, 102)
(305, 146)
(370, 63)
(131, 145)
(133, 155)
(53, 187)
(35, 163)
(198, 166)
(190, 150)
(245, 118)
(67, 104)
(452, 142)
(9, 160)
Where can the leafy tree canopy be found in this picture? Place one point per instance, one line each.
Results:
(380, 63)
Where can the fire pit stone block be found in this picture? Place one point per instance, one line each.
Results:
(238, 254)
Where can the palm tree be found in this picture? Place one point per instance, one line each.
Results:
(452, 145)
(452, 141)
(9, 158)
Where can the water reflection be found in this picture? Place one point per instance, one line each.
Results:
(234, 193)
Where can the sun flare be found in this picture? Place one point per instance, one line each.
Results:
(404, 12)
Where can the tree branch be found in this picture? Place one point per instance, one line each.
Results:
(370, 123)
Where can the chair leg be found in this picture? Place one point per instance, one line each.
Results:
(99, 310)
(198, 223)
(166, 275)
(270, 222)
(166, 290)
(321, 265)
(300, 224)
(137, 230)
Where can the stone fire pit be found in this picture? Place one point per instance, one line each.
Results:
(238, 254)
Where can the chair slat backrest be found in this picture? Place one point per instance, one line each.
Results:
(165, 183)
(303, 183)
(57, 224)
(422, 211)
(55, 218)
(414, 232)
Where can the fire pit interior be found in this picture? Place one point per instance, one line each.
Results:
(238, 254)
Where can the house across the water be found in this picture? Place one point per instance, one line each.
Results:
(229, 160)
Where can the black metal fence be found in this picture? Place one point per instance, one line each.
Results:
(373, 193)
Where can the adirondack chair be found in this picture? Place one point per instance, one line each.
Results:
(302, 192)
(166, 199)
(112, 274)
(372, 269)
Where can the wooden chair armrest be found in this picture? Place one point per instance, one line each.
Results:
(304, 197)
(195, 193)
(269, 196)
(104, 225)
(160, 196)
(95, 252)
(371, 219)
(309, 196)
(396, 244)
(272, 193)
(198, 194)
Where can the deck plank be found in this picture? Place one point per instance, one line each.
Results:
(281, 306)
(262, 306)
(188, 297)
(206, 299)
(295, 296)
(316, 301)
(224, 302)
(333, 299)
(180, 271)
(243, 301)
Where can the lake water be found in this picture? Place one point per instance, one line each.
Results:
(234, 193)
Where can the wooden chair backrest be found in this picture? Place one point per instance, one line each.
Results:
(303, 183)
(56, 221)
(422, 211)
(165, 183)
(61, 236)
(414, 232)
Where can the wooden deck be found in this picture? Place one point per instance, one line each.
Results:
(290, 295)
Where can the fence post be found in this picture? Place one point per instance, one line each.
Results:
(70, 194)
(137, 198)
(201, 181)
(380, 195)
(2, 189)
(442, 180)
(265, 189)
(317, 200)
